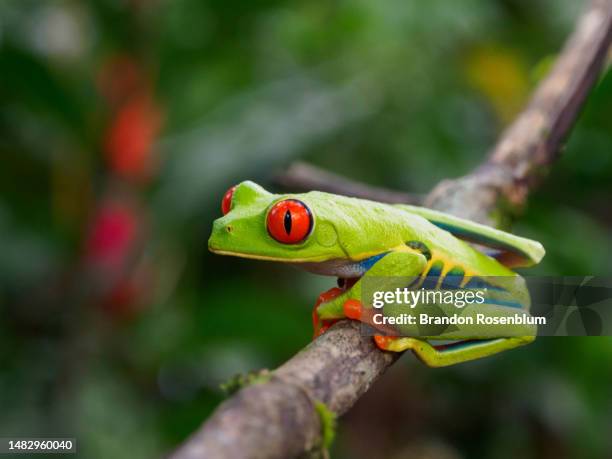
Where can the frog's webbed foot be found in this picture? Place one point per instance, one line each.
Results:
(320, 326)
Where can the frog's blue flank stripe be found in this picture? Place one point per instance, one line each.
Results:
(369, 262)
(453, 279)
(478, 283)
(464, 344)
(432, 276)
(510, 304)
(451, 282)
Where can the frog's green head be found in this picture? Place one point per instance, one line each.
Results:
(298, 228)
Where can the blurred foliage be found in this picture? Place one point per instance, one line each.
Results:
(122, 123)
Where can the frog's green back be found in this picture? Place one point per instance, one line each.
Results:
(510, 250)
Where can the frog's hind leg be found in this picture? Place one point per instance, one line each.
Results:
(449, 354)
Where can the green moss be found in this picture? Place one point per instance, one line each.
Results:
(328, 424)
(239, 381)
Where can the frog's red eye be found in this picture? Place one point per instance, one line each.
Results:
(289, 221)
(226, 204)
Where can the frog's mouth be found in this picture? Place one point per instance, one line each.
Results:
(252, 256)
(322, 265)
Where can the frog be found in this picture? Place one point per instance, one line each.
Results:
(358, 240)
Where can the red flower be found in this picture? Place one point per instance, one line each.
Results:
(112, 235)
(131, 136)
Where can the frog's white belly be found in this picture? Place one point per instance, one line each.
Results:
(345, 269)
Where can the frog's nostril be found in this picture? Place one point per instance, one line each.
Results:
(229, 228)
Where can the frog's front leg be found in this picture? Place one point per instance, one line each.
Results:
(320, 326)
(394, 267)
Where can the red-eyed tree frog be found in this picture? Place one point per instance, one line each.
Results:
(352, 239)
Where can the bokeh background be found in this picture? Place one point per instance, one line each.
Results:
(122, 123)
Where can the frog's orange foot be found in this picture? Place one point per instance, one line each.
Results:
(383, 341)
(353, 309)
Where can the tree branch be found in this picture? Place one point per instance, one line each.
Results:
(525, 151)
(301, 176)
(277, 419)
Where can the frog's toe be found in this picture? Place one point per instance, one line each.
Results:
(395, 343)
(353, 309)
(328, 295)
(383, 342)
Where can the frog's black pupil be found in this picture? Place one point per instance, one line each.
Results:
(287, 221)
